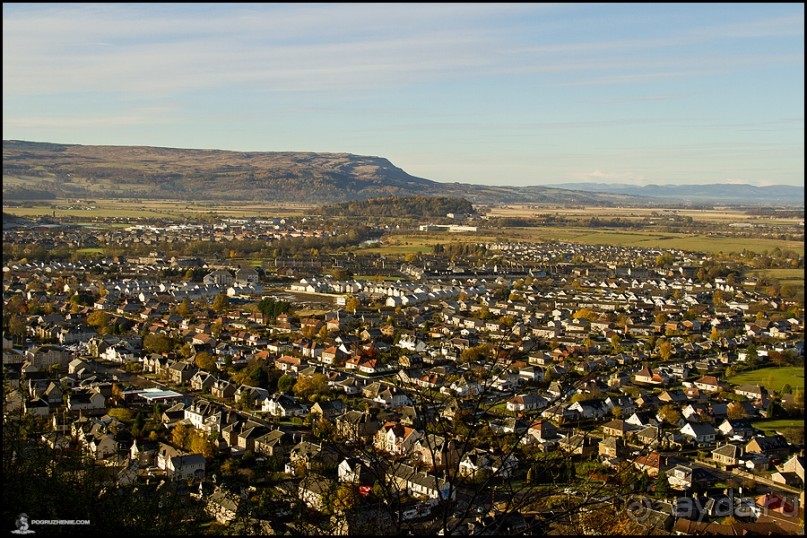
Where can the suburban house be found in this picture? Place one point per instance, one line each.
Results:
(728, 455)
(754, 392)
(774, 446)
(223, 388)
(612, 447)
(357, 426)
(181, 372)
(436, 451)
(329, 409)
(684, 477)
(354, 471)
(541, 431)
(419, 484)
(180, 465)
(283, 405)
(478, 460)
(647, 376)
(652, 463)
(708, 383)
(578, 444)
(526, 402)
(616, 428)
(202, 381)
(396, 439)
(736, 427)
(274, 444)
(391, 397)
(699, 432)
(86, 401)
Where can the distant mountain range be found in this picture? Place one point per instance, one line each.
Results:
(713, 193)
(36, 170)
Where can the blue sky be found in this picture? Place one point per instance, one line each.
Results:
(498, 94)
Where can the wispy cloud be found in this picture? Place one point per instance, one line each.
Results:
(327, 47)
(631, 99)
(540, 88)
(139, 116)
(310, 47)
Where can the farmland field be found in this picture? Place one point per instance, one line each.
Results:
(721, 237)
(780, 274)
(771, 378)
(725, 216)
(650, 239)
(91, 213)
(793, 277)
(155, 209)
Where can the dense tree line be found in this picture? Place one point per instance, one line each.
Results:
(518, 222)
(406, 206)
(272, 307)
(459, 249)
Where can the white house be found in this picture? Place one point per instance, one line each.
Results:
(699, 432)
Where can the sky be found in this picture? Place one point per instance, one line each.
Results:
(496, 94)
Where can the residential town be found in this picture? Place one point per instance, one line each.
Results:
(532, 390)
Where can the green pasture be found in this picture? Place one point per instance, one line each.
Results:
(250, 262)
(793, 278)
(778, 425)
(402, 244)
(392, 250)
(773, 378)
(91, 251)
(786, 277)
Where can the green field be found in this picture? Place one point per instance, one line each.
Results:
(785, 277)
(650, 239)
(791, 278)
(99, 212)
(779, 425)
(91, 251)
(410, 243)
(771, 378)
(780, 274)
(407, 243)
(167, 209)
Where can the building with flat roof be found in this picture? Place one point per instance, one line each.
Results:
(155, 395)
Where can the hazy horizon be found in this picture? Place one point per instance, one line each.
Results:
(493, 94)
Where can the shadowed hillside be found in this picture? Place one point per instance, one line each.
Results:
(33, 170)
